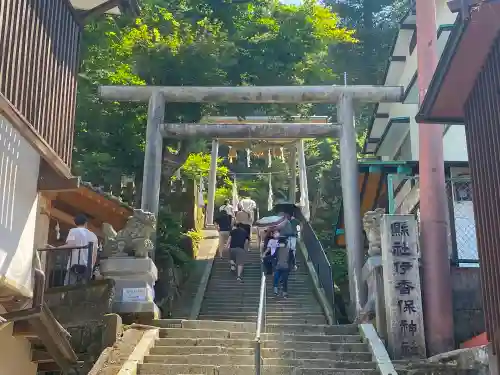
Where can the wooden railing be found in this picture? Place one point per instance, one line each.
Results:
(39, 48)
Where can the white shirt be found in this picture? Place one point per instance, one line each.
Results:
(228, 208)
(248, 204)
(273, 245)
(80, 237)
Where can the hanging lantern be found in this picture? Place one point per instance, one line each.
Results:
(249, 153)
(270, 195)
(269, 158)
(232, 154)
(57, 228)
(235, 194)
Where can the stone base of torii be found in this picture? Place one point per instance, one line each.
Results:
(344, 96)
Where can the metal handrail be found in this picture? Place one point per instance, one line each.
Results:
(261, 323)
(69, 250)
(320, 261)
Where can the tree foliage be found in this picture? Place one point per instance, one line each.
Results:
(192, 42)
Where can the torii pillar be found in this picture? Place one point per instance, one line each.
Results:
(344, 95)
(212, 184)
(292, 192)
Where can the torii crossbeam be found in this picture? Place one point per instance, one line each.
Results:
(344, 96)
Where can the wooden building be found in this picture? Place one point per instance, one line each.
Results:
(39, 62)
(466, 89)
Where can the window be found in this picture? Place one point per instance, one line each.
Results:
(462, 191)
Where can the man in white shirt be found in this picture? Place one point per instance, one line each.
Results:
(80, 238)
(248, 205)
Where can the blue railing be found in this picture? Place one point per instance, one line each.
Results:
(318, 258)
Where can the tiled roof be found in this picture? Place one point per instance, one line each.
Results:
(100, 190)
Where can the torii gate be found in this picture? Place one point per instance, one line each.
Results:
(344, 96)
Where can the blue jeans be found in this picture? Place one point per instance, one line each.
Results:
(281, 275)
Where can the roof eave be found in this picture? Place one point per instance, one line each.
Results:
(425, 114)
(402, 26)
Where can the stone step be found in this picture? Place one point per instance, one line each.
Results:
(299, 285)
(223, 272)
(277, 344)
(207, 324)
(223, 297)
(250, 290)
(201, 359)
(287, 321)
(238, 295)
(319, 329)
(275, 307)
(196, 342)
(319, 363)
(273, 321)
(227, 359)
(186, 350)
(266, 353)
(271, 314)
(270, 319)
(208, 333)
(296, 317)
(249, 303)
(172, 369)
(271, 302)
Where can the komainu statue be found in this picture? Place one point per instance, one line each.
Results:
(134, 239)
(371, 225)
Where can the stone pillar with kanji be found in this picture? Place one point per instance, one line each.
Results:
(402, 292)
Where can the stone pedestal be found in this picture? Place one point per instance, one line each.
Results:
(134, 281)
(373, 277)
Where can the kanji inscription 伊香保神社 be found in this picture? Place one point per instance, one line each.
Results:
(400, 260)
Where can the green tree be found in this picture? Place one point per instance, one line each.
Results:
(260, 43)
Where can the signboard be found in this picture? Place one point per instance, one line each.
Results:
(403, 298)
(135, 295)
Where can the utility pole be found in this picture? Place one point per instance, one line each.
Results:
(438, 308)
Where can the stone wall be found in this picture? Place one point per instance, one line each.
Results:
(77, 303)
(85, 312)
(467, 303)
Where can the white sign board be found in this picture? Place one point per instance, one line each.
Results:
(135, 295)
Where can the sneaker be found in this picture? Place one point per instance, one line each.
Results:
(275, 291)
(285, 295)
(239, 279)
(232, 267)
(295, 268)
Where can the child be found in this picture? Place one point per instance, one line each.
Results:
(269, 254)
(282, 269)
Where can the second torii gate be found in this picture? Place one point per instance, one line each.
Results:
(344, 96)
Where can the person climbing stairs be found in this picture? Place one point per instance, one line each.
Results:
(296, 339)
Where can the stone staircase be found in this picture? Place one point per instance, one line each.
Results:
(228, 348)
(296, 340)
(228, 300)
